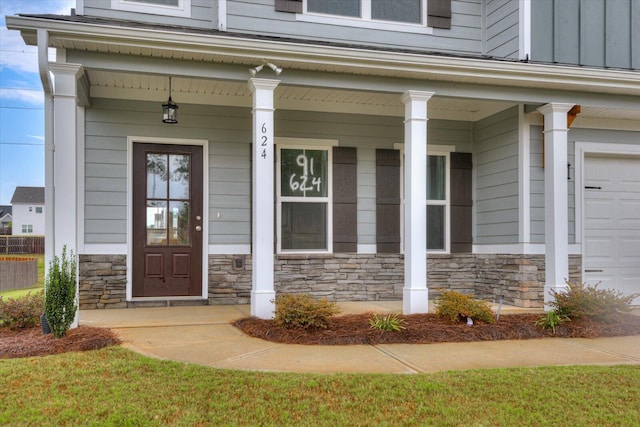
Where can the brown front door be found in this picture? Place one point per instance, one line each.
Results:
(167, 220)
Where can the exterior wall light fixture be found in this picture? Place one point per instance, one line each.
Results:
(170, 109)
(256, 70)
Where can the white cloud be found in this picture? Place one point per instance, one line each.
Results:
(15, 54)
(28, 96)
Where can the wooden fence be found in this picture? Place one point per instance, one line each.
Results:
(18, 272)
(21, 245)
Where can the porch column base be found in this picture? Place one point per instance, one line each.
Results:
(415, 300)
(263, 305)
(548, 298)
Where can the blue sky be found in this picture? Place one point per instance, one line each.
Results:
(22, 101)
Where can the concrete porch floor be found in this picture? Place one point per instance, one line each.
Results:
(204, 335)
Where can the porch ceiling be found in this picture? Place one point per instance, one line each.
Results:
(147, 87)
(107, 84)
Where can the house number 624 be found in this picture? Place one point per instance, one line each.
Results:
(264, 138)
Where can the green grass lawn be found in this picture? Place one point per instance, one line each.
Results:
(115, 386)
(37, 286)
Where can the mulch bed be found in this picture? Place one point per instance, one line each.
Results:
(32, 342)
(429, 328)
(344, 330)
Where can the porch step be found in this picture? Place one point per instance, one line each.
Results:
(167, 303)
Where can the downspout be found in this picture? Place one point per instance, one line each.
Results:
(49, 187)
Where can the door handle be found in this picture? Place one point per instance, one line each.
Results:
(593, 270)
(198, 228)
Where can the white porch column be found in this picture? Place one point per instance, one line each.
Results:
(262, 291)
(556, 216)
(415, 298)
(65, 155)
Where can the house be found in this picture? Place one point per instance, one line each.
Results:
(27, 209)
(5, 219)
(221, 152)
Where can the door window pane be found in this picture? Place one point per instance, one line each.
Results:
(304, 225)
(179, 223)
(156, 223)
(179, 176)
(396, 10)
(303, 173)
(435, 227)
(335, 7)
(436, 177)
(157, 176)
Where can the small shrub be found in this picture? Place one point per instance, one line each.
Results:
(552, 319)
(387, 322)
(301, 311)
(22, 312)
(581, 301)
(60, 293)
(456, 306)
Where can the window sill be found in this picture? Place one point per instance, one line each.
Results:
(360, 23)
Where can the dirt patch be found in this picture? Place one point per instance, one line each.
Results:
(32, 342)
(429, 328)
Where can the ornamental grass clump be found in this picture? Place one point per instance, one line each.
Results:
(22, 312)
(551, 320)
(387, 322)
(581, 301)
(60, 293)
(301, 311)
(458, 307)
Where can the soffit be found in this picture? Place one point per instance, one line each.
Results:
(108, 84)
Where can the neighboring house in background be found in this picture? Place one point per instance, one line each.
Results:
(28, 211)
(399, 147)
(5, 219)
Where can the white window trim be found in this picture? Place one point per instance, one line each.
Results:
(432, 150)
(183, 10)
(305, 144)
(365, 21)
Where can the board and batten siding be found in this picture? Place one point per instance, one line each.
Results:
(502, 28)
(599, 33)
(204, 14)
(259, 17)
(495, 160)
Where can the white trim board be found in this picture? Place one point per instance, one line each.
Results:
(521, 248)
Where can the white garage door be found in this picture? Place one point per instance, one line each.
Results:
(612, 223)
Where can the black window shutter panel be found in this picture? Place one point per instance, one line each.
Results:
(461, 202)
(439, 13)
(345, 197)
(291, 6)
(388, 201)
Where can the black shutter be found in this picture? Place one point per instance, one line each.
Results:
(345, 197)
(388, 201)
(439, 13)
(461, 202)
(291, 6)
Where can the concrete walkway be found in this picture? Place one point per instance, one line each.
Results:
(203, 335)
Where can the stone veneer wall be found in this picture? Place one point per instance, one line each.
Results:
(103, 281)
(342, 277)
(363, 277)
